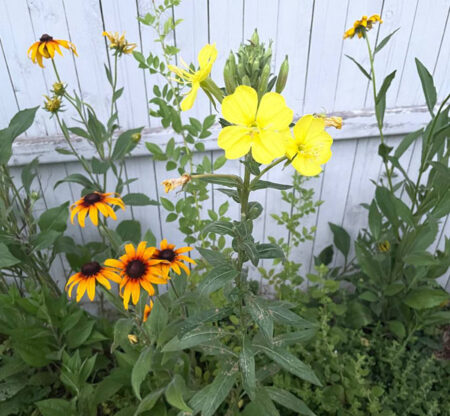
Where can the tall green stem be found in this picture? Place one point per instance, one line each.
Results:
(379, 122)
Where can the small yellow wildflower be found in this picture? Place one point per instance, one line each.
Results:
(52, 105)
(310, 147)
(360, 27)
(264, 129)
(171, 184)
(119, 43)
(206, 58)
(46, 46)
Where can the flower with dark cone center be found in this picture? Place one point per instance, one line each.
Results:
(45, 38)
(89, 269)
(91, 199)
(136, 269)
(167, 254)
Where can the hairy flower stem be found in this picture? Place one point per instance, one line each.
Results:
(375, 98)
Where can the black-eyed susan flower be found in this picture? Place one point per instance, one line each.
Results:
(360, 27)
(46, 47)
(119, 43)
(173, 259)
(88, 276)
(171, 184)
(206, 58)
(310, 147)
(93, 203)
(147, 310)
(137, 268)
(263, 128)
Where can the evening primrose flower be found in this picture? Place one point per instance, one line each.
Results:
(310, 147)
(171, 184)
(264, 129)
(206, 58)
(360, 27)
(46, 46)
(119, 43)
(92, 203)
(86, 279)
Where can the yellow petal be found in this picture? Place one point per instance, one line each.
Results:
(82, 216)
(240, 107)
(188, 101)
(103, 281)
(114, 263)
(82, 286)
(268, 145)
(207, 55)
(129, 249)
(306, 166)
(308, 125)
(141, 248)
(235, 140)
(91, 288)
(93, 215)
(135, 292)
(74, 212)
(273, 113)
(126, 295)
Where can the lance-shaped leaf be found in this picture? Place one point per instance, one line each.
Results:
(267, 184)
(193, 338)
(216, 279)
(140, 370)
(247, 366)
(219, 227)
(203, 317)
(289, 401)
(380, 103)
(259, 312)
(429, 90)
(269, 251)
(384, 42)
(289, 362)
(174, 394)
(360, 67)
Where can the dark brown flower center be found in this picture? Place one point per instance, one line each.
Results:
(89, 269)
(45, 38)
(167, 254)
(136, 269)
(91, 199)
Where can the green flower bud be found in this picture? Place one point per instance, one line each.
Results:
(59, 89)
(136, 137)
(263, 81)
(232, 62)
(246, 81)
(34, 195)
(241, 71)
(52, 105)
(255, 66)
(230, 83)
(282, 76)
(255, 38)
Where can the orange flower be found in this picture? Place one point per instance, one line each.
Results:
(88, 276)
(46, 46)
(137, 268)
(92, 203)
(173, 259)
(147, 310)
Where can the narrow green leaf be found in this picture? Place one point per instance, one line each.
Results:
(216, 279)
(193, 338)
(429, 90)
(425, 298)
(380, 103)
(341, 239)
(384, 42)
(174, 394)
(6, 258)
(137, 199)
(140, 370)
(247, 366)
(360, 67)
(289, 401)
(259, 312)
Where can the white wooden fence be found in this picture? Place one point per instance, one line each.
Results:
(321, 79)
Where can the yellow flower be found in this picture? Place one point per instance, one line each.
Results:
(88, 276)
(133, 339)
(119, 43)
(147, 310)
(360, 27)
(46, 46)
(52, 105)
(264, 129)
(92, 203)
(137, 268)
(335, 122)
(206, 58)
(171, 184)
(310, 147)
(173, 259)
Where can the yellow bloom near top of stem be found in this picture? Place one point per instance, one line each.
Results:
(361, 26)
(119, 43)
(94, 202)
(263, 128)
(46, 47)
(206, 58)
(310, 147)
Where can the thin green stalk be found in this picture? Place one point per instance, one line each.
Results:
(379, 123)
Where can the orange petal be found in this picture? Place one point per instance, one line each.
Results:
(175, 268)
(81, 289)
(93, 215)
(114, 263)
(72, 278)
(126, 296)
(163, 244)
(112, 276)
(111, 212)
(148, 287)
(186, 258)
(135, 292)
(183, 250)
(141, 248)
(184, 267)
(74, 212)
(129, 249)
(101, 207)
(91, 288)
(82, 216)
(103, 281)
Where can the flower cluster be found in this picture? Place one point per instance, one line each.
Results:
(118, 43)
(139, 267)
